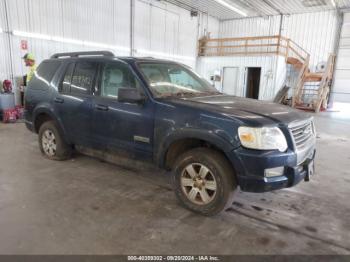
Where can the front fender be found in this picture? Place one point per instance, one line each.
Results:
(190, 133)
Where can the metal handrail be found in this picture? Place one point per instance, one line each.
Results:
(247, 46)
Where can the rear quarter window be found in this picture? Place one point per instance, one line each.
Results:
(47, 70)
(44, 74)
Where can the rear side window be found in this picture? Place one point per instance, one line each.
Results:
(83, 78)
(66, 82)
(47, 70)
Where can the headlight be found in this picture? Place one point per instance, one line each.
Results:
(263, 138)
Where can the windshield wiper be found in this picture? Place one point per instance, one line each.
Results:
(186, 93)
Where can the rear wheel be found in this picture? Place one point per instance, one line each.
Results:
(204, 181)
(51, 142)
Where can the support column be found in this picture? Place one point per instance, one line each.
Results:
(132, 27)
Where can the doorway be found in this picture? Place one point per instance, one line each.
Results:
(253, 82)
(230, 80)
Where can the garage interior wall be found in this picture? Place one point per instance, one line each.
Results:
(5, 65)
(341, 88)
(160, 29)
(315, 32)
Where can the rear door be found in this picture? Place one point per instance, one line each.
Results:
(74, 100)
(125, 127)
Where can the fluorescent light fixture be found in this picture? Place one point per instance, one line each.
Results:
(31, 35)
(233, 8)
(99, 45)
(1, 30)
(161, 54)
(333, 3)
(69, 40)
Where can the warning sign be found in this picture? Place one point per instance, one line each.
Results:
(24, 44)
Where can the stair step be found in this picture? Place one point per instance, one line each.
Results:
(313, 77)
(295, 62)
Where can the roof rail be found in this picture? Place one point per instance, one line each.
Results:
(88, 53)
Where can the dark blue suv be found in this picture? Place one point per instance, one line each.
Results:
(162, 112)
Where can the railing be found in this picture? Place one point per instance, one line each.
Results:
(252, 46)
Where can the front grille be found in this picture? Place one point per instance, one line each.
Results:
(302, 133)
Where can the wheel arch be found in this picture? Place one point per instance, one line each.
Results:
(177, 144)
(42, 115)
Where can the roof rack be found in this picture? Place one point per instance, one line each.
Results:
(88, 53)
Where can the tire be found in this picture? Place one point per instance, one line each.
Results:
(51, 143)
(219, 181)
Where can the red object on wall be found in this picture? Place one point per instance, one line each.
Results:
(24, 44)
(9, 115)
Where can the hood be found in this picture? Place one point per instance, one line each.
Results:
(254, 112)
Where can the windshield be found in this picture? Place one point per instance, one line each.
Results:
(168, 79)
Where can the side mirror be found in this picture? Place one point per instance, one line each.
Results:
(130, 95)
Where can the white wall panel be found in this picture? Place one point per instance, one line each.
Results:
(161, 29)
(84, 20)
(315, 32)
(166, 31)
(341, 88)
(5, 64)
(250, 27)
(208, 65)
(89, 20)
(208, 24)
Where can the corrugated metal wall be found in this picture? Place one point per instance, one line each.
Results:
(5, 61)
(315, 32)
(341, 89)
(166, 31)
(256, 26)
(160, 29)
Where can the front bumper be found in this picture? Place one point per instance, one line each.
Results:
(250, 168)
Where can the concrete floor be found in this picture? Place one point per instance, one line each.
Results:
(85, 206)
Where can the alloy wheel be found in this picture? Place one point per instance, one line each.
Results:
(198, 184)
(49, 143)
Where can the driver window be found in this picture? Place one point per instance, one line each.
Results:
(115, 76)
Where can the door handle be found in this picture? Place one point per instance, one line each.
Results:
(59, 100)
(101, 107)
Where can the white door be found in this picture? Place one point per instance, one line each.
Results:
(230, 81)
(341, 88)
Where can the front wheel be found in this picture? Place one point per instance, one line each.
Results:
(204, 181)
(51, 142)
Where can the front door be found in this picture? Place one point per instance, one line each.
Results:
(117, 125)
